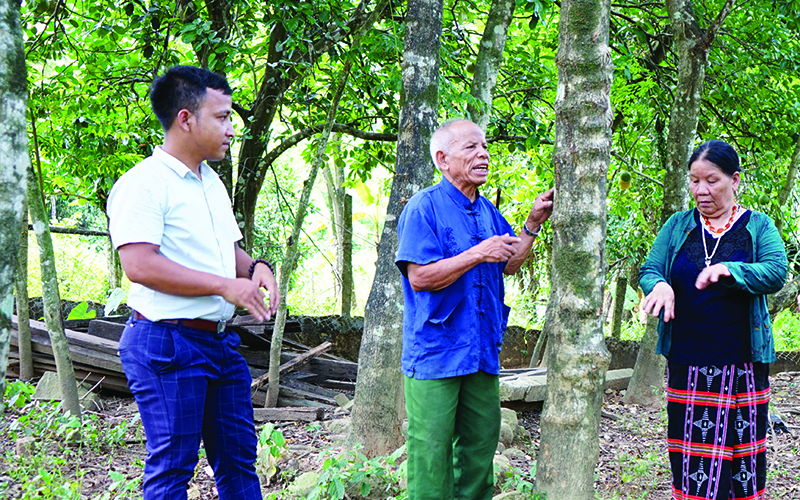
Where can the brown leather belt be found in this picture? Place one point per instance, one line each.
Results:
(199, 324)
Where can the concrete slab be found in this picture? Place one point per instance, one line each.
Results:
(532, 388)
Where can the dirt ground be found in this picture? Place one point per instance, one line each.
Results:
(632, 465)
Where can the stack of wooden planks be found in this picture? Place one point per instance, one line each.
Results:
(311, 378)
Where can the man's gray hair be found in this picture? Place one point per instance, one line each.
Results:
(442, 137)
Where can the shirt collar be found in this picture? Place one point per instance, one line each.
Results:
(176, 165)
(457, 196)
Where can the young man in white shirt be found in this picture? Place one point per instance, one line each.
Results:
(172, 222)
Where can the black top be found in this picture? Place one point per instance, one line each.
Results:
(711, 326)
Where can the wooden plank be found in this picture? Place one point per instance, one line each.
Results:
(291, 365)
(75, 338)
(342, 385)
(79, 354)
(295, 414)
(102, 328)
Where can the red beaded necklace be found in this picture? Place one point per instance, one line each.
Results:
(723, 229)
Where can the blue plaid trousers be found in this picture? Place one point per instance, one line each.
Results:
(191, 384)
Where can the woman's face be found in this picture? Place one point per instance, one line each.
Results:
(712, 189)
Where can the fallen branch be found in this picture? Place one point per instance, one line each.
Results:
(291, 365)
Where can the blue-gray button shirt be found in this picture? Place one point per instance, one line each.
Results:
(457, 330)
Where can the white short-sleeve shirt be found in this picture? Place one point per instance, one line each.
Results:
(161, 201)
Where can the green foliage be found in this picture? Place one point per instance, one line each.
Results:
(271, 446)
(81, 311)
(46, 420)
(355, 476)
(18, 394)
(122, 488)
(785, 329)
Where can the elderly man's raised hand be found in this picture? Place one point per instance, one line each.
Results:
(541, 210)
(497, 248)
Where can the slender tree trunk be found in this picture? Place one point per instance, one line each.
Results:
(537, 350)
(577, 359)
(788, 184)
(290, 259)
(114, 267)
(490, 58)
(692, 45)
(14, 162)
(340, 205)
(23, 310)
(51, 298)
(378, 411)
(646, 386)
(347, 257)
(619, 304)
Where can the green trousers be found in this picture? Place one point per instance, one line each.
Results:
(453, 428)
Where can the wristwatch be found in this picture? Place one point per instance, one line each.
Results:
(529, 232)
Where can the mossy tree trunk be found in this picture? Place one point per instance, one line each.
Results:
(692, 44)
(52, 299)
(14, 163)
(23, 309)
(490, 59)
(379, 404)
(577, 359)
(619, 304)
(290, 257)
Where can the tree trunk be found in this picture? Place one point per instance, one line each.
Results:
(340, 205)
(578, 358)
(347, 257)
(646, 386)
(114, 267)
(692, 45)
(14, 162)
(788, 185)
(537, 350)
(490, 58)
(290, 259)
(619, 304)
(23, 310)
(379, 408)
(282, 70)
(52, 300)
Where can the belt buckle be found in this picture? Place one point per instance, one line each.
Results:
(222, 325)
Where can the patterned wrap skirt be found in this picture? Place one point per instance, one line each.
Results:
(718, 417)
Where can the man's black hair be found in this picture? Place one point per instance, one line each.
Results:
(183, 87)
(720, 153)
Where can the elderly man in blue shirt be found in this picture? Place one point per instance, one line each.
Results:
(454, 249)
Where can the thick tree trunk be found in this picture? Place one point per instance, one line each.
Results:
(378, 410)
(619, 304)
(282, 70)
(490, 58)
(14, 162)
(578, 358)
(692, 45)
(23, 310)
(290, 258)
(51, 298)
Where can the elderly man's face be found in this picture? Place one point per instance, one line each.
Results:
(466, 163)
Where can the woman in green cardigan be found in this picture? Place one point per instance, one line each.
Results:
(707, 277)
